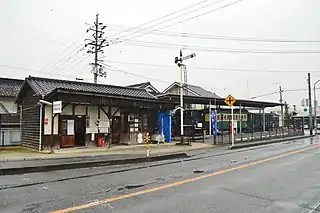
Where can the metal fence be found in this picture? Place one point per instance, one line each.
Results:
(293, 127)
(10, 137)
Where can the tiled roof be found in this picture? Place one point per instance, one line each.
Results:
(140, 85)
(10, 87)
(202, 92)
(199, 91)
(145, 85)
(44, 86)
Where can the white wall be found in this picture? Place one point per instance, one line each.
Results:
(48, 115)
(9, 103)
(93, 117)
(67, 110)
(104, 124)
(80, 110)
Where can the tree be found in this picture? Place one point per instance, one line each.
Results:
(286, 114)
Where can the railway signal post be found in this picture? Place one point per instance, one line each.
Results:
(178, 61)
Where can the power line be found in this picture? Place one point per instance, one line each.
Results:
(60, 61)
(33, 70)
(110, 68)
(175, 17)
(277, 92)
(162, 17)
(216, 49)
(212, 69)
(188, 19)
(218, 37)
(82, 58)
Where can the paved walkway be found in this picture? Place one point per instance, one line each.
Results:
(21, 154)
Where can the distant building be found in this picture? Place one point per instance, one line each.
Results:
(190, 90)
(147, 86)
(9, 113)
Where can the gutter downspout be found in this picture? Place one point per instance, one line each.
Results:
(20, 106)
(40, 128)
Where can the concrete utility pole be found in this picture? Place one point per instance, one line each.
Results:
(310, 104)
(281, 101)
(96, 46)
(179, 61)
(315, 107)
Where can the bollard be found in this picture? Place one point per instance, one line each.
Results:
(147, 140)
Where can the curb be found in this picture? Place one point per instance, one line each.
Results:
(77, 165)
(240, 146)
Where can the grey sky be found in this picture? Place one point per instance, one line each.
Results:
(35, 33)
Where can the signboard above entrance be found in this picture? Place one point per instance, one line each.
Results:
(57, 107)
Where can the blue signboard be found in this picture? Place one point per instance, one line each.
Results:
(213, 123)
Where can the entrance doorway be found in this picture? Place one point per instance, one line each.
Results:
(80, 130)
(116, 129)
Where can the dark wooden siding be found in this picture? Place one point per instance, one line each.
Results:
(30, 119)
(10, 118)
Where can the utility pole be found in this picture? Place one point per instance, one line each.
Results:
(281, 101)
(315, 108)
(310, 105)
(96, 46)
(179, 61)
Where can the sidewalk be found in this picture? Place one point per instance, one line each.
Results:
(23, 154)
(240, 145)
(20, 161)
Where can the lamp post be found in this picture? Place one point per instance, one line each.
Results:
(315, 106)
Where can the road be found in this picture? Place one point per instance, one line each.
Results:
(281, 177)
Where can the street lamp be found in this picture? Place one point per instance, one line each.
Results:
(179, 61)
(315, 107)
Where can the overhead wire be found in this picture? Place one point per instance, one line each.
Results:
(23, 69)
(77, 61)
(184, 20)
(48, 66)
(138, 27)
(212, 68)
(66, 58)
(110, 68)
(277, 92)
(221, 37)
(216, 49)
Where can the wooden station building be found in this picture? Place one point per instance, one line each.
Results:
(89, 111)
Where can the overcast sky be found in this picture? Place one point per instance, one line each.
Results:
(45, 37)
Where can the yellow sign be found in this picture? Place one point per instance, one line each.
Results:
(230, 100)
(147, 138)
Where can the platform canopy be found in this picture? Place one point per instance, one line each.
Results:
(216, 101)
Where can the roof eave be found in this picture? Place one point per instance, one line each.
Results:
(54, 92)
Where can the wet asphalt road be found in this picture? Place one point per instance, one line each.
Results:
(213, 180)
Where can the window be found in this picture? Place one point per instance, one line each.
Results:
(64, 127)
(144, 122)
